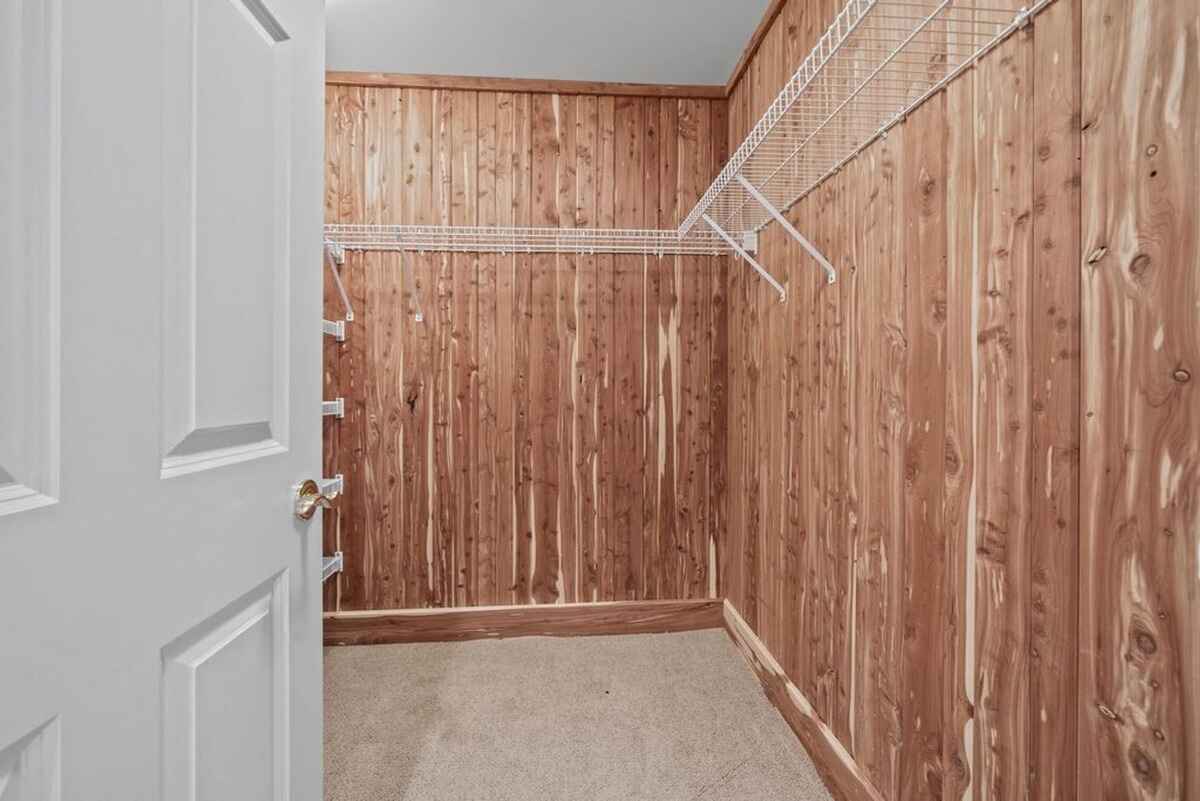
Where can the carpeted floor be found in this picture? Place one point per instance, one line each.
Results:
(661, 717)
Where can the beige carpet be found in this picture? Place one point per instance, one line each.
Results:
(661, 717)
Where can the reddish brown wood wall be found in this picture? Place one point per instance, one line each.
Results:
(547, 433)
(964, 482)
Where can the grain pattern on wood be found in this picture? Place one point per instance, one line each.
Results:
(958, 658)
(502, 622)
(1054, 439)
(1001, 577)
(628, 323)
(505, 413)
(543, 410)
(923, 194)
(1003, 419)
(1139, 703)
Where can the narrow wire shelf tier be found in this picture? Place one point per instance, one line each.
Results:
(466, 239)
(876, 63)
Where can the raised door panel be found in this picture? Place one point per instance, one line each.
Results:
(30, 153)
(225, 308)
(225, 702)
(30, 769)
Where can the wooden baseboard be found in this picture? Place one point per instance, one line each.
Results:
(843, 776)
(499, 622)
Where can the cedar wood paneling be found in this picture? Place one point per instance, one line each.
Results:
(964, 482)
(956, 494)
(546, 433)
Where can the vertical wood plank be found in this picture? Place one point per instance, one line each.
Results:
(924, 245)
(589, 343)
(717, 267)
(958, 495)
(627, 352)
(464, 210)
(487, 550)
(418, 390)
(543, 358)
(507, 198)
(668, 357)
(608, 531)
(1139, 702)
(566, 328)
(1003, 422)
(443, 548)
(523, 313)
(1054, 525)
(648, 432)
(344, 194)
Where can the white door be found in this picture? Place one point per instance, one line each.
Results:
(160, 212)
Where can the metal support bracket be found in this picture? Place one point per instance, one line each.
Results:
(335, 329)
(741, 251)
(331, 487)
(330, 565)
(830, 273)
(332, 251)
(334, 408)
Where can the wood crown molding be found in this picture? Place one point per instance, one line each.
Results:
(536, 86)
(844, 777)
(500, 622)
(756, 39)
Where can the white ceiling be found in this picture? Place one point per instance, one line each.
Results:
(636, 41)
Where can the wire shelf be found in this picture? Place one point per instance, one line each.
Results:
(466, 239)
(876, 62)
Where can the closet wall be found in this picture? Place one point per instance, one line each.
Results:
(964, 482)
(554, 428)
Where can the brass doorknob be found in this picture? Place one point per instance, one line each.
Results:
(308, 498)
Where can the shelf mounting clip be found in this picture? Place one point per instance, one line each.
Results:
(741, 251)
(334, 408)
(331, 565)
(830, 273)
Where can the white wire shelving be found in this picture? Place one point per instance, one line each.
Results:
(473, 239)
(877, 62)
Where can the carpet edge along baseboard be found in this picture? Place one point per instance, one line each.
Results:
(843, 776)
(499, 622)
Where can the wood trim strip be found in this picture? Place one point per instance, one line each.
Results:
(756, 39)
(846, 780)
(501, 622)
(397, 80)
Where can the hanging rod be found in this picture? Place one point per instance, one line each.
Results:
(877, 62)
(477, 239)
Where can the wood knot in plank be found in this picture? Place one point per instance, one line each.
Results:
(1097, 254)
(1144, 767)
(1181, 375)
(1139, 268)
(1145, 642)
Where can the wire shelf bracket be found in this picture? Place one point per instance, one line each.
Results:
(335, 254)
(876, 63)
(733, 243)
(830, 273)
